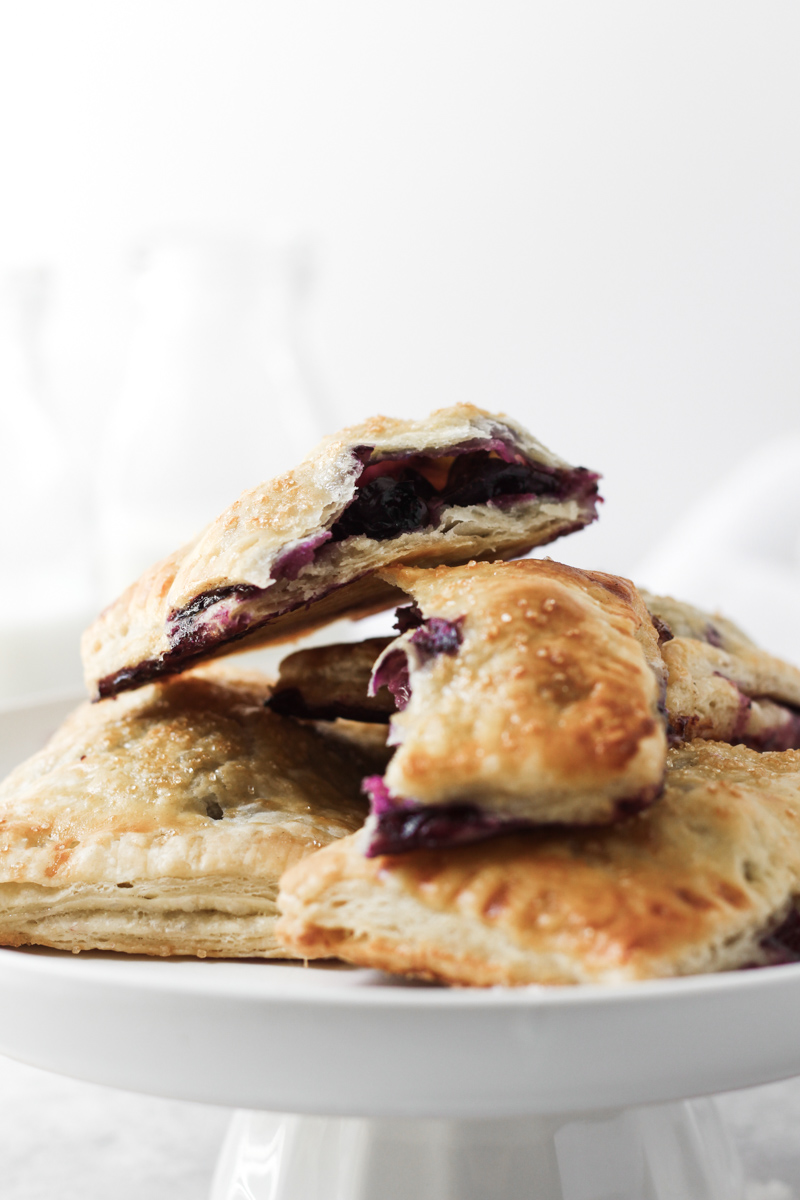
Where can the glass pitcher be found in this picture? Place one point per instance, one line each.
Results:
(218, 394)
(46, 578)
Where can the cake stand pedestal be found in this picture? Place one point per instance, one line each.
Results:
(410, 1092)
(405, 1092)
(664, 1152)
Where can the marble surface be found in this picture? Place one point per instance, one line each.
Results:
(63, 1139)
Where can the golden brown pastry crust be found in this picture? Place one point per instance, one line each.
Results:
(367, 739)
(685, 621)
(161, 822)
(325, 682)
(230, 589)
(691, 885)
(549, 709)
(721, 686)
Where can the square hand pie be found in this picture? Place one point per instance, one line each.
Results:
(304, 548)
(529, 692)
(701, 881)
(161, 823)
(721, 685)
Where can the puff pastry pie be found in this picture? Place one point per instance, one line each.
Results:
(721, 685)
(529, 691)
(701, 881)
(304, 548)
(162, 822)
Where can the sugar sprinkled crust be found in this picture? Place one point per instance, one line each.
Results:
(696, 883)
(160, 823)
(721, 685)
(273, 566)
(546, 705)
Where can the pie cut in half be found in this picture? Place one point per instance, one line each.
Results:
(161, 823)
(720, 684)
(528, 692)
(704, 880)
(305, 548)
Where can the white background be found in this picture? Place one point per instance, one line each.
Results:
(586, 214)
(583, 213)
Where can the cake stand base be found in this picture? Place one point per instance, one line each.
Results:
(677, 1151)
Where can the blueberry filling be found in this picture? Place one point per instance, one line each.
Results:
(436, 827)
(392, 673)
(663, 630)
(437, 636)
(386, 508)
(403, 825)
(189, 638)
(408, 617)
(783, 736)
(410, 493)
(430, 638)
(289, 564)
(783, 944)
(186, 634)
(380, 798)
(399, 825)
(477, 478)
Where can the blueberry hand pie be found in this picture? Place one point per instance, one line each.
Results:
(304, 548)
(528, 692)
(721, 685)
(161, 823)
(704, 880)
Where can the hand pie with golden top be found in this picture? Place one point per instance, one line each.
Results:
(529, 693)
(701, 881)
(303, 549)
(161, 823)
(721, 685)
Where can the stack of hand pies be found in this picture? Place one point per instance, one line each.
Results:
(547, 776)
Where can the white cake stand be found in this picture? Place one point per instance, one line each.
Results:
(411, 1092)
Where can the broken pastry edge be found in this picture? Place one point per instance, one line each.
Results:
(131, 638)
(484, 806)
(202, 920)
